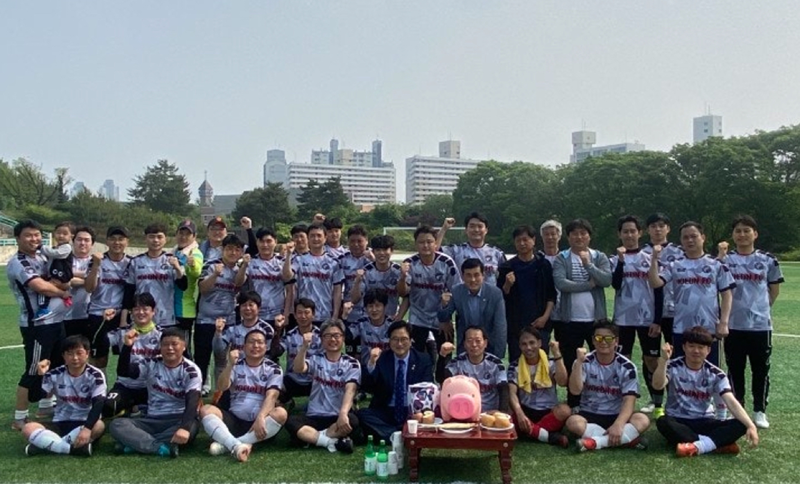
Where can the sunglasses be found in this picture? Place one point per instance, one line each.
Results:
(598, 338)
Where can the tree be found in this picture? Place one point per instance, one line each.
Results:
(266, 206)
(327, 197)
(162, 189)
(23, 183)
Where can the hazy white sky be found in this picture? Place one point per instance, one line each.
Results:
(108, 87)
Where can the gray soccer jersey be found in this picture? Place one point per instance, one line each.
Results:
(426, 284)
(147, 345)
(634, 302)
(690, 392)
(490, 373)
(371, 336)
(21, 270)
(316, 277)
(74, 394)
(386, 280)
(249, 387)
(490, 255)
(265, 276)
(329, 379)
(156, 276)
(291, 343)
(539, 398)
(337, 252)
(350, 264)
(604, 386)
(110, 287)
(233, 336)
(669, 254)
(753, 274)
(167, 387)
(80, 297)
(220, 302)
(696, 284)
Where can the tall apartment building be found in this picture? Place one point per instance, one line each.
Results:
(436, 175)
(583, 146)
(109, 190)
(275, 168)
(705, 127)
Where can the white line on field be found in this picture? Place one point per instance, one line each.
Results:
(12, 347)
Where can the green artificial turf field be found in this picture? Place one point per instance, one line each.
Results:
(775, 460)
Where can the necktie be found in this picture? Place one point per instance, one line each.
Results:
(400, 392)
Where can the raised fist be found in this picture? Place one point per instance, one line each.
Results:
(580, 353)
(319, 218)
(446, 296)
(130, 337)
(109, 314)
(218, 268)
(511, 278)
(307, 337)
(288, 248)
(360, 274)
(246, 223)
(346, 309)
(405, 267)
(374, 354)
(174, 262)
(42, 367)
(97, 257)
(722, 247)
(220, 324)
(233, 356)
(657, 250)
(555, 348)
(621, 252)
(246, 259)
(280, 321)
(666, 351)
(446, 349)
(449, 222)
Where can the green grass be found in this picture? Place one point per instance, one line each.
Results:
(773, 461)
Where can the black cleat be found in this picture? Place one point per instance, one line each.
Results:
(344, 445)
(31, 449)
(84, 450)
(558, 439)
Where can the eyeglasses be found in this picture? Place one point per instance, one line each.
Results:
(599, 338)
(401, 340)
(336, 336)
(474, 341)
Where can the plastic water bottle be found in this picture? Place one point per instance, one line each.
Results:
(383, 462)
(370, 459)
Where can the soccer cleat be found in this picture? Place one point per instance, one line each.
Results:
(344, 445)
(649, 408)
(43, 314)
(31, 450)
(558, 439)
(168, 450)
(728, 449)
(639, 443)
(17, 424)
(84, 450)
(760, 419)
(217, 449)
(586, 444)
(686, 449)
(658, 412)
(120, 449)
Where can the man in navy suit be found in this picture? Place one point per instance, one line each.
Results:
(476, 304)
(387, 377)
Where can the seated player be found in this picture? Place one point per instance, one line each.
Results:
(532, 384)
(485, 367)
(129, 392)
(329, 419)
(388, 375)
(608, 386)
(295, 384)
(232, 336)
(79, 389)
(372, 330)
(254, 382)
(693, 381)
(173, 387)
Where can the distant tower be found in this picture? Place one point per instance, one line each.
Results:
(276, 169)
(334, 148)
(706, 126)
(450, 149)
(206, 192)
(377, 153)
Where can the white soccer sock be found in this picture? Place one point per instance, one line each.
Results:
(216, 429)
(324, 441)
(273, 428)
(49, 440)
(72, 436)
(629, 434)
(705, 445)
(593, 430)
(20, 414)
(46, 402)
(541, 434)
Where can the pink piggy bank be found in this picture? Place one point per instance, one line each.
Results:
(460, 399)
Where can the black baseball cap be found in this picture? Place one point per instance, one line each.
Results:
(188, 225)
(218, 221)
(117, 230)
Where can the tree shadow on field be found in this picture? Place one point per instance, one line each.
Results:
(470, 466)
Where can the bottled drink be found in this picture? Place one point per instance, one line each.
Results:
(383, 462)
(370, 459)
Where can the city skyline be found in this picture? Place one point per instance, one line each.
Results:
(107, 88)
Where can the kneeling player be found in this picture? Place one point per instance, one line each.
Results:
(254, 382)
(608, 386)
(532, 384)
(79, 389)
(693, 381)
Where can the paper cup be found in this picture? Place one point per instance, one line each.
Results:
(393, 463)
(412, 427)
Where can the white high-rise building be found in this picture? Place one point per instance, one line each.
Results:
(436, 175)
(109, 190)
(583, 146)
(77, 187)
(706, 127)
(275, 169)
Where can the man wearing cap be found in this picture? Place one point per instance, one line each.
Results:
(105, 282)
(188, 253)
(217, 230)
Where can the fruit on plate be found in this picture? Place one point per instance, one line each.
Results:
(428, 417)
(502, 420)
(487, 420)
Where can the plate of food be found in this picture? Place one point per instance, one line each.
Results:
(496, 422)
(457, 427)
(427, 426)
(498, 429)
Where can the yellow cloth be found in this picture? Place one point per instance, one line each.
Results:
(542, 377)
(145, 329)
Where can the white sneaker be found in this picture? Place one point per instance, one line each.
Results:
(648, 408)
(217, 449)
(760, 419)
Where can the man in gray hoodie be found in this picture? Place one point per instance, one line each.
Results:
(580, 274)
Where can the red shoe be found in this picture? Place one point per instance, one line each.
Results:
(586, 444)
(687, 449)
(728, 449)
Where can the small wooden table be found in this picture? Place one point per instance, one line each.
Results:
(477, 439)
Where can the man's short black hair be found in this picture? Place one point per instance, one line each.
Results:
(657, 217)
(357, 230)
(333, 223)
(399, 325)
(248, 296)
(424, 229)
(155, 228)
(376, 294)
(264, 231)
(382, 242)
(74, 342)
(257, 330)
(299, 228)
(478, 216)
(745, 220)
(317, 226)
(531, 330)
(144, 299)
(629, 218)
(172, 332)
(233, 239)
(306, 303)
(605, 324)
(578, 223)
(69, 225)
(472, 263)
(692, 223)
(84, 228)
(475, 327)
(698, 335)
(523, 230)
(26, 224)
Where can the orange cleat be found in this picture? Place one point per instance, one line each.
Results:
(686, 449)
(728, 449)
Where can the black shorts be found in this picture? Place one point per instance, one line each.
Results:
(650, 346)
(77, 327)
(123, 398)
(237, 426)
(604, 421)
(98, 329)
(41, 343)
(63, 427)
(296, 422)
(535, 415)
(292, 388)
